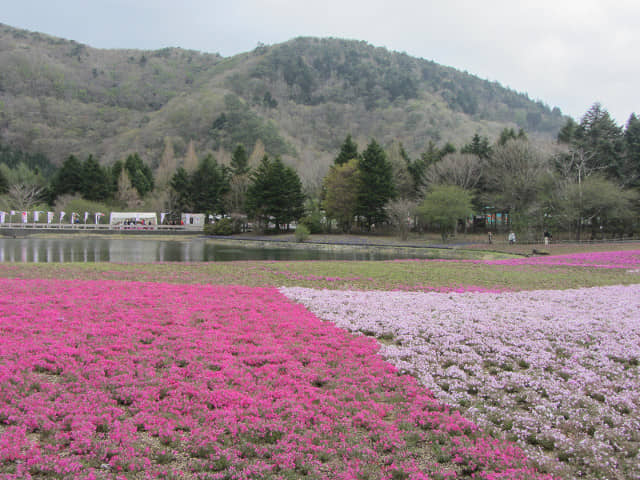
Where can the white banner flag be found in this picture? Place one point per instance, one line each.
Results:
(2, 214)
(12, 213)
(98, 216)
(25, 217)
(162, 215)
(74, 215)
(86, 215)
(62, 214)
(36, 216)
(49, 217)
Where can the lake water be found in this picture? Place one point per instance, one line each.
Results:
(65, 249)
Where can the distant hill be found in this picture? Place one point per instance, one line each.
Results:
(299, 99)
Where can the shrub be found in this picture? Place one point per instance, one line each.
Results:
(302, 233)
(224, 226)
(313, 222)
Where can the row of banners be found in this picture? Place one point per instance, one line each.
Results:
(74, 218)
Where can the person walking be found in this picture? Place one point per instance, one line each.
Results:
(511, 238)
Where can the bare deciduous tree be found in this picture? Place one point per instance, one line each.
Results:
(461, 169)
(400, 212)
(513, 174)
(24, 197)
(127, 195)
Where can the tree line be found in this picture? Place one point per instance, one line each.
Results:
(588, 180)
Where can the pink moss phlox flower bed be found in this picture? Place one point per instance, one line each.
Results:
(127, 380)
(620, 259)
(557, 371)
(627, 259)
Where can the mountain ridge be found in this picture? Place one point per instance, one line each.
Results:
(298, 99)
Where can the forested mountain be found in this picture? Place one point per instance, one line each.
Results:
(298, 100)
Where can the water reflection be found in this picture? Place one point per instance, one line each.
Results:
(61, 250)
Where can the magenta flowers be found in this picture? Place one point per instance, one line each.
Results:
(110, 379)
(622, 259)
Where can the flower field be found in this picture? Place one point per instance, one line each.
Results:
(555, 371)
(127, 380)
(522, 368)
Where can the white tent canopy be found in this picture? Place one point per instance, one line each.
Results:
(120, 218)
(193, 219)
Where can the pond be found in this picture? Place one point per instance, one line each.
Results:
(147, 250)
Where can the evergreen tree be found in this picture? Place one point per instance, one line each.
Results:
(115, 171)
(181, 185)
(4, 183)
(68, 179)
(567, 133)
(376, 187)
(239, 161)
(340, 187)
(140, 174)
(348, 151)
(259, 191)
(632, 151)
(96, 184)
(275, 193)
(209, 183)
(293, 207)
(479, 146)
(510, 134)
(602, 140)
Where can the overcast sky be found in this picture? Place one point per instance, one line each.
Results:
(567, 53)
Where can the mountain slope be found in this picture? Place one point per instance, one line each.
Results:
(299, 99)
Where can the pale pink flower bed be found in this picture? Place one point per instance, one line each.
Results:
(555, 371)
(128, 380)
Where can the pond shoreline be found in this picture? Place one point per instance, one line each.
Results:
(420, 251)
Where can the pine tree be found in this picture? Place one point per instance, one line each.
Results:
(68, 179)
(348, 151)
(96, 185)
(4, 183)
(632, 151)
(479, 146)
(293, 207)
(239, 161)
(139, 173)
(181, 185)
(376, 187)
(341, 187)
(601, 140)
(209, 183)
(275, 193)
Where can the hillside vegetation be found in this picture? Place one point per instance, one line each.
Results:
(298, 100)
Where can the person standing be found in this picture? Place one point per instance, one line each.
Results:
(547, 237)
(512, 237)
